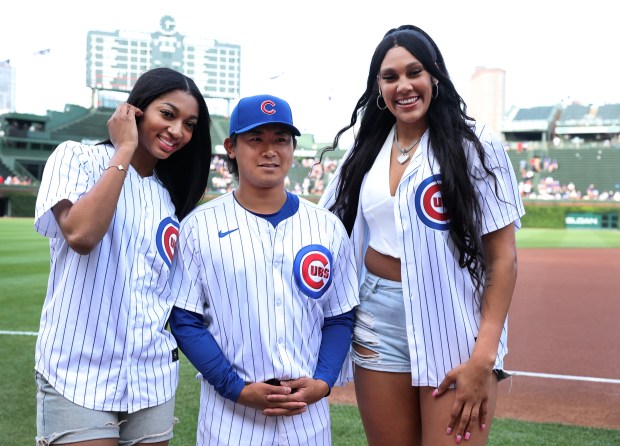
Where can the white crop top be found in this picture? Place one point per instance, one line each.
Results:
(378, 204)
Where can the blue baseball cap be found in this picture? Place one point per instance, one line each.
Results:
(255, 111)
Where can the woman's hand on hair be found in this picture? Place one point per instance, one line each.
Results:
(123, 127)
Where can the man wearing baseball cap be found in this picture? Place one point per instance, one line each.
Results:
(267, 287)
(252, 112)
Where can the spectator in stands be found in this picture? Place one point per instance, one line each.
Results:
(572, 192)
(317, 187)
(591, 192)
(106, 367)
(305, 186)
(430, 199)
(523, 168)
(221, 180)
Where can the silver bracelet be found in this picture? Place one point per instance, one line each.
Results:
(118, 166)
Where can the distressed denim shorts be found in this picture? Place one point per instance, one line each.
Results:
(380, 326)
(61, 421)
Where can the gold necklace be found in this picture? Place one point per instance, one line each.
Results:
(404, 153)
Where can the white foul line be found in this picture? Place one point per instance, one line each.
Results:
(19, 333)
(567, 377)
(512, 372)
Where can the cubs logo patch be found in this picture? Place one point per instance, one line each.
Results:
(313, 270)
(167, 234)
(429, 204)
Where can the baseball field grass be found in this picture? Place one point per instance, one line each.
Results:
(24, 266)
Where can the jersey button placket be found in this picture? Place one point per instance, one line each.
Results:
(279, 294)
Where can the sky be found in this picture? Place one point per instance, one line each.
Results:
(315, 54)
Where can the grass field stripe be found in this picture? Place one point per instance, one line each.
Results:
(19, 333)
(566, 377)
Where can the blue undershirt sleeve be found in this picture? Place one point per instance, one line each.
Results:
(335, 344)
(203, 351)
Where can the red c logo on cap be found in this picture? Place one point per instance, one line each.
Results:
(267, 107)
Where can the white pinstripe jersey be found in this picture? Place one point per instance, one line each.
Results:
(442, 310)
(102, 342)
(264, 293)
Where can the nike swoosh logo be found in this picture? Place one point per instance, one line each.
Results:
(224, 234)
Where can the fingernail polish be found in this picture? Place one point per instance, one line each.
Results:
(467, 435)
(483, 426)
(435, 392)
(448, 431)
(458, 438)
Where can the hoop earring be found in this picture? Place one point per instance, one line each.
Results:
(379, 97)
(435, 91)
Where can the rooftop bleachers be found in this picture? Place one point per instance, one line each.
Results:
(535, 113)
(574, 113)
(589, 122)
(609, 114)
(530, 124)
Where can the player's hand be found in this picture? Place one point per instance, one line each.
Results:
(473, 383)
(256, 395)
(123, 128)
(304, 390)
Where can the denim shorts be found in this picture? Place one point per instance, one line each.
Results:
(61, 421)
(380, 326)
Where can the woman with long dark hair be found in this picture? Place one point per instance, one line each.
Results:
(106, 367)
(430, 200)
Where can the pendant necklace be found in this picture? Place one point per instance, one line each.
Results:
(404, 153)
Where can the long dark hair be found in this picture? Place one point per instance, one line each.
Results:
(448, 131)
(185, 173)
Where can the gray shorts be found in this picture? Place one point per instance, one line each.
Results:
(61, 421)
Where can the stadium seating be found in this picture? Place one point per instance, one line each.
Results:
(574, 114)
(580, 157)
(530, 124)
(609, 114)
(90, 126)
